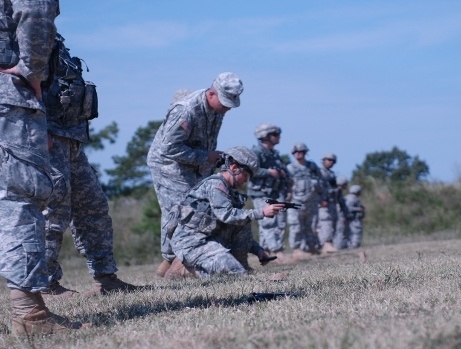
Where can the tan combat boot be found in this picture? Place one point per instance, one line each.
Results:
(56, 289)
(163, 267)
(178, 270)
(328, 248)
(108, 283)
(30, 316)
(301, 255)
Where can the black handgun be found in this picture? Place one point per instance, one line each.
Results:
(285, 204)
(270, 296)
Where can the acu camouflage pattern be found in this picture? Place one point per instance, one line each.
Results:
(178, 156)
(262, 186)
(328, 216)
(211, 250)
(78, 201)
(306, 190)
(25, 183)
(355, 226)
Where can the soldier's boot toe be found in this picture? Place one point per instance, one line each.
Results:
(163, 267)
(178, 270)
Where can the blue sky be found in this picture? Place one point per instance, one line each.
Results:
(349, 77)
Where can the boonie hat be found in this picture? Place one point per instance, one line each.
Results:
(229, 87)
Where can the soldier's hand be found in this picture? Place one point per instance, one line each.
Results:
(213, 156)
(264, 258)
(271, 210)
(274, 172)
(34, 84)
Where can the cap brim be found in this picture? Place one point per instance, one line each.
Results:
(227, 102)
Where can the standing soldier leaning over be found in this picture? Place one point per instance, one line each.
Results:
(27, 32)
(183, 151)
(77, 198)
(270, 182)
(328, 213)
(306, 191)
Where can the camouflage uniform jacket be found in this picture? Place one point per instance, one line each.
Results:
(354, 207)
(212, 203)
(331, 192)
(27, 32)
(263, 184)
(179, 152)
(306, 181)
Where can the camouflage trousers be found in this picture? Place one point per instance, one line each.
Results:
(167, 197)
(340, 237)
(302, 225)
(78, 202)
(328, 216)
(354, 235)
(25, 185)
(213, 254)
(271, 230)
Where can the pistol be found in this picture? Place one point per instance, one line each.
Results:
(268, 296)
(285, 204)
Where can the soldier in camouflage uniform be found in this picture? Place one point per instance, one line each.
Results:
(328, 212)
(306, 191)
(271, 181)
(356, 213)
(27, 31)
(78, 198)
(339, 240)
(183, 151)
(214, 230)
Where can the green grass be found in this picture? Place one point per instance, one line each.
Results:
(406, 295)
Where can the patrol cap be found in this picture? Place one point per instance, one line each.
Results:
(355, 189)
(244, 157)
(228, 87)
(341, 180)
(330, 156)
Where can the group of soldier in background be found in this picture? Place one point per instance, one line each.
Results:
(323, 219)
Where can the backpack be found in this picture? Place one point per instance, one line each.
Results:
(68, 98)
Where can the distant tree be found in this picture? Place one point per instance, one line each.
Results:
(131, 174)
(108, 133)
(394, 166)
(97, 139)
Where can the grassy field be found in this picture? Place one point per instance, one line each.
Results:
(406, 295)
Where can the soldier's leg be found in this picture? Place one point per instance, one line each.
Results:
(58, 212)
(325, 226)
(355, 239)
(91, 224)
(167, 197)
(295, 229)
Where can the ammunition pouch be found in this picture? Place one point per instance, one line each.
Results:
(8, 52)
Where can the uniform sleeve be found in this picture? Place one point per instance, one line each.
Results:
(177, 130)
(222, 208)
(35, 34)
